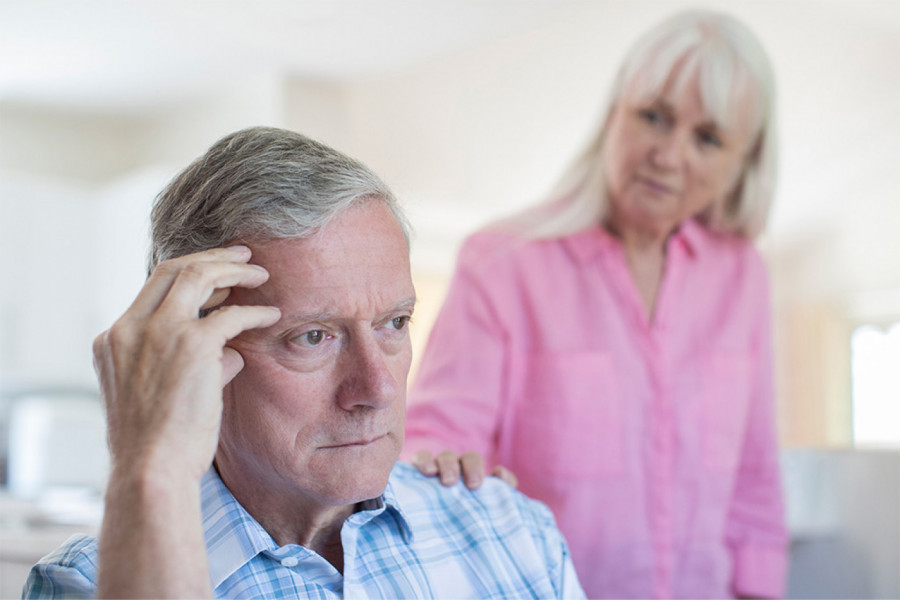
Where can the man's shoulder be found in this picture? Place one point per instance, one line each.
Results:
(69, 571)
(421, 497)
(520, 551)
(73, 551)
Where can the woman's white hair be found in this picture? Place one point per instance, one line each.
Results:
(730, 63)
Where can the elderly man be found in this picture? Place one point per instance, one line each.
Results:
(280, 269)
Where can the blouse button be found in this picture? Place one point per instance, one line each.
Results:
(290, 561)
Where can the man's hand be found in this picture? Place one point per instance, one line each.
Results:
(162, 368)
(447, 465)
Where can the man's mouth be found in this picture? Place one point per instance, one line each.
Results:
(359, 442)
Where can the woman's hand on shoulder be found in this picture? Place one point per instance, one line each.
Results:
(448, 466)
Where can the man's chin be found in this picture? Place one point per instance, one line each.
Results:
(362, 478)
(354, 488)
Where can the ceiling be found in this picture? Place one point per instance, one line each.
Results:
(128, 54)
(118, 54)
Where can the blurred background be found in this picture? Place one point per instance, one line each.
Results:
(469, 110)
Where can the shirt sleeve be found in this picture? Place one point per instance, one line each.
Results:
(68, 572)
(455, 400)
(756, 532)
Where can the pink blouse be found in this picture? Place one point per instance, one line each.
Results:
(653, 443)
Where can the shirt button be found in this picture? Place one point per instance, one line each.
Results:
(290, 561)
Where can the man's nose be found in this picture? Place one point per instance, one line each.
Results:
(367, 377)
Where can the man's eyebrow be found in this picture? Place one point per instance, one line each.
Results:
(408, 304)
(326, 315)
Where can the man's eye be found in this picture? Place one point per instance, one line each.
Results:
(312, 338)
(399, 322)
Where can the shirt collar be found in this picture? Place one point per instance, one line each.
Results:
(587, 244)
(234, 537)
(387, 505)
(396, 510)
(692, 235)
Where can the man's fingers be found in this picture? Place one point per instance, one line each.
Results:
(425, 463)
(160, 281)
(506, 475)
(232, 363)
(448, 467)
(197, 281)
(218, 297)
(472, 469)
(230, 321)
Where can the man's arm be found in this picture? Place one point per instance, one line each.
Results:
(161, 371)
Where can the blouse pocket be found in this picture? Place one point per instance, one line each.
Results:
(724, 401)
(566, 415)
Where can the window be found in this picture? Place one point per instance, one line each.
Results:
(875, 369)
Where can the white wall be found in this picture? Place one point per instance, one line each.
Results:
(465, 138)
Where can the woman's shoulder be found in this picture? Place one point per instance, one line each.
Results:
(727, 250)
(494, 248)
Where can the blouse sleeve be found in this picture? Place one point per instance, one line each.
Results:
(455, 400)
(756, 532)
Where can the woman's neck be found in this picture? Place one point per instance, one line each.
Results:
(645, 255)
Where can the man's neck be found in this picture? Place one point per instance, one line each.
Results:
(293, 519)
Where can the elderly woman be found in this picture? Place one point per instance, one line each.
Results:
(612, 349)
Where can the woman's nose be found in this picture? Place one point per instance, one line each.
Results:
(668, 151)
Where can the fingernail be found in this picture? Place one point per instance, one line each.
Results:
(238, 248)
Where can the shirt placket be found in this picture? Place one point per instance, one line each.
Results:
(664, 428)
(662, 467)
(655, 340)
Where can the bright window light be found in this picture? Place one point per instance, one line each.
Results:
(875, 357)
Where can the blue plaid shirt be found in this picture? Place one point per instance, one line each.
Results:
(418, 540)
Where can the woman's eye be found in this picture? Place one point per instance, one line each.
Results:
(653, 116)
(710, 138)
(650, 115)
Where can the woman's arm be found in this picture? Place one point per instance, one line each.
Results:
(756, 530)
(455, 400)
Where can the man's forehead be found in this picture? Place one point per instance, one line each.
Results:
(360, 262)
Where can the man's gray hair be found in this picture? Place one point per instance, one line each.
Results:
(259, 184)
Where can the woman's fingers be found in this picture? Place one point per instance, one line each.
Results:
(448, 467)
(506, 475)
(425, 463)
(472, 466)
